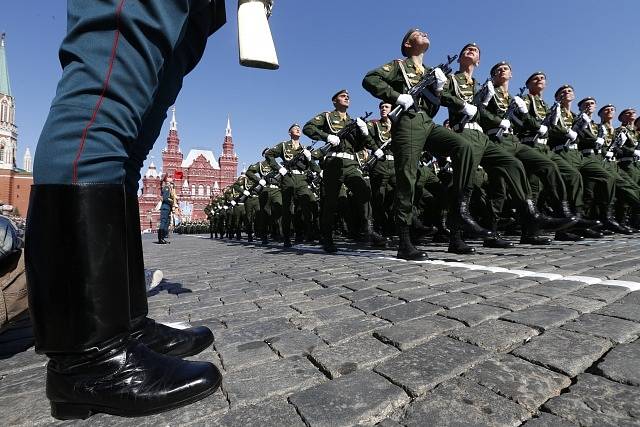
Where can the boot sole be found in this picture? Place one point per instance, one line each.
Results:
(75, 411)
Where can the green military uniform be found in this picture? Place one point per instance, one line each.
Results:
(270, 198)
(294, 186)
(626, 153)
(251, 203)
(236, 214)
(382, 177)
(209, 211)
(339, 166)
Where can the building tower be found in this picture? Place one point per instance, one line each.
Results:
(228, 160)
(171, 155)
(27, 163)
(8, 129)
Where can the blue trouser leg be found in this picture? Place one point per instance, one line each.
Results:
(114, 58)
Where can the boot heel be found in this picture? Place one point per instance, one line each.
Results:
(70, 411)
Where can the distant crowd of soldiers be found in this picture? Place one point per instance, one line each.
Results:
(499, 163)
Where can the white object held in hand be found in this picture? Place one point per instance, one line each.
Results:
(378, 153)
(405, 101)
(333, 140)
(307, 154)
(246, 193)
(362, 126)
(542, 130)
(283, 171)
(441, 79)
(521, 104)
(262, 182)
(505, 124)
(254, 35)
(572, 135)
(469, 110)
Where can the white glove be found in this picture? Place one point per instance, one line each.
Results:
(405, 100)
(362, 126)
(225, 207)
(246, 193)
(491, 91)
(585, 120)
(505, 124)
(623, 138)
(333, 140)
(262, 182)
(378, 153)
(307, 154)
(608, 155)
(321, 173)
(283, 171)
(542, 130)
(636, 153)
(441, 79)
(599, 143)
(522, 105)
(233, 203)
(572, 135)
(469, 110)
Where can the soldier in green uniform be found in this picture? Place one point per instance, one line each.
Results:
(382, 174)
(251, 203)
(414, 132)
(340, 166)
(209, 211)
(293, 184)
(458, 96)
(628, 138)
(270, 197)
(564, 142)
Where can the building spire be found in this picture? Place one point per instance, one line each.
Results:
(5, 86)
(174, 123)
(228, 130)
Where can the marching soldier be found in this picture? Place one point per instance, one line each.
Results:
(270, 197)
(340, 166)
(293, 184)
(414, 132)
(629, 138)
(251, 203)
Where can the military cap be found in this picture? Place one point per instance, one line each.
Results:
(601, 110)
(382, 103)
(333, 98)
(537, 73)
(405, 38)
(623, 112)
(495, 67)
(469, 45)
(560, 89)
(637, 122)
(265, 150)
(583, 100)
(295, 124)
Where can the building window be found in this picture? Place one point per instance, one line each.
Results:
(200, 190)
(193, 190)
(3, 111)
(208, 190)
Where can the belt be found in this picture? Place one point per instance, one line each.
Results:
(341, 155)
(388, 157)
(496, 130)
(471, 125)
(558, 147)
(272, 186)
(588, 151)
(534, 139)
(239, 203)
(296, 172)
(572, 147)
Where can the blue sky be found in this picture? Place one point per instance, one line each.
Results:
(324, 46)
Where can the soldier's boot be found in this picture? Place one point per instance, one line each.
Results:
(531, 235)
(418, 228)
(530, 213)
(78, 287)
(457, 245)
(585, 222)
(160, 239)
(286, 241)
(375, 239)
(589, 233)
(610, 223)
(496, 240)
(158, 337)
(565, 236)
(469, 224)
(249, 236)
(443, 233)
(327, 243)
(406, 250)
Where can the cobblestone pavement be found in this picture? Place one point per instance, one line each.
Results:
(527, 336)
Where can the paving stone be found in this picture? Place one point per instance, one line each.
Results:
(491, 278)
(606, 293)
(542, 316)
(408, 311)
(623, 311)
(520, 381)
(364, 294)
(454, 299)
(415, 332)
(563, 351)
(347, 357)
(349, 328)
(405, 284)
(305, 307)
(278, 378)
(389, 423)
(579, 304)
(622, 364)
(454, 286)
(239, 320)
(417, 294)
(596, 401)
(238, 356)
(374, 304)
(495, 335)
(631, 298)
(459, 402)
(363, 398)
(423, 367)
(489, 291)
(617, 330)
(270, 413)
(547, 420)
(555, 288)
(257, 331)
(516, 301)
(325, 292)
(474, 314)
(296, 343)
(26, 381)
(518, 284)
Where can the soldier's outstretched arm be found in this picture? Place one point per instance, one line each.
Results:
(272, 154)
(378, 82)
(314, 128)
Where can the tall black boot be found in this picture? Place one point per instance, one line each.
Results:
(531, 234)
(79, 302)
(161, 237)
(530, 214)
(406, 250)
(457, 245)
(468, 223)
(374, 238)
(158, 337)
(610, 223)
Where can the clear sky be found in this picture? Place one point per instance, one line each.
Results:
(324, 46)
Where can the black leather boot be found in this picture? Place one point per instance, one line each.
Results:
(327, 243)
(565, 236)
(375, 239)
(530, 214)
(531, 235)
(468, 223)
(406, 250)
(610, 223)
(457, 245)
(79, 300)
(161, 237)
(158, 337)
(496, 241)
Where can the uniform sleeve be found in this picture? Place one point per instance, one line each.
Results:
(272, 154)
(374, 143)
(251, 173)
(378, 82)
(488, 118)
(314, 128)
(449, 98)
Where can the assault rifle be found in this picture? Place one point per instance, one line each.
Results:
(554, 112)
(511, 110)
(257, 188)
(419, 90)
(369, 164)
(349, 129)
(298, 161)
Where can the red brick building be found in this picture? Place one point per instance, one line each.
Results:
(197, 177)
